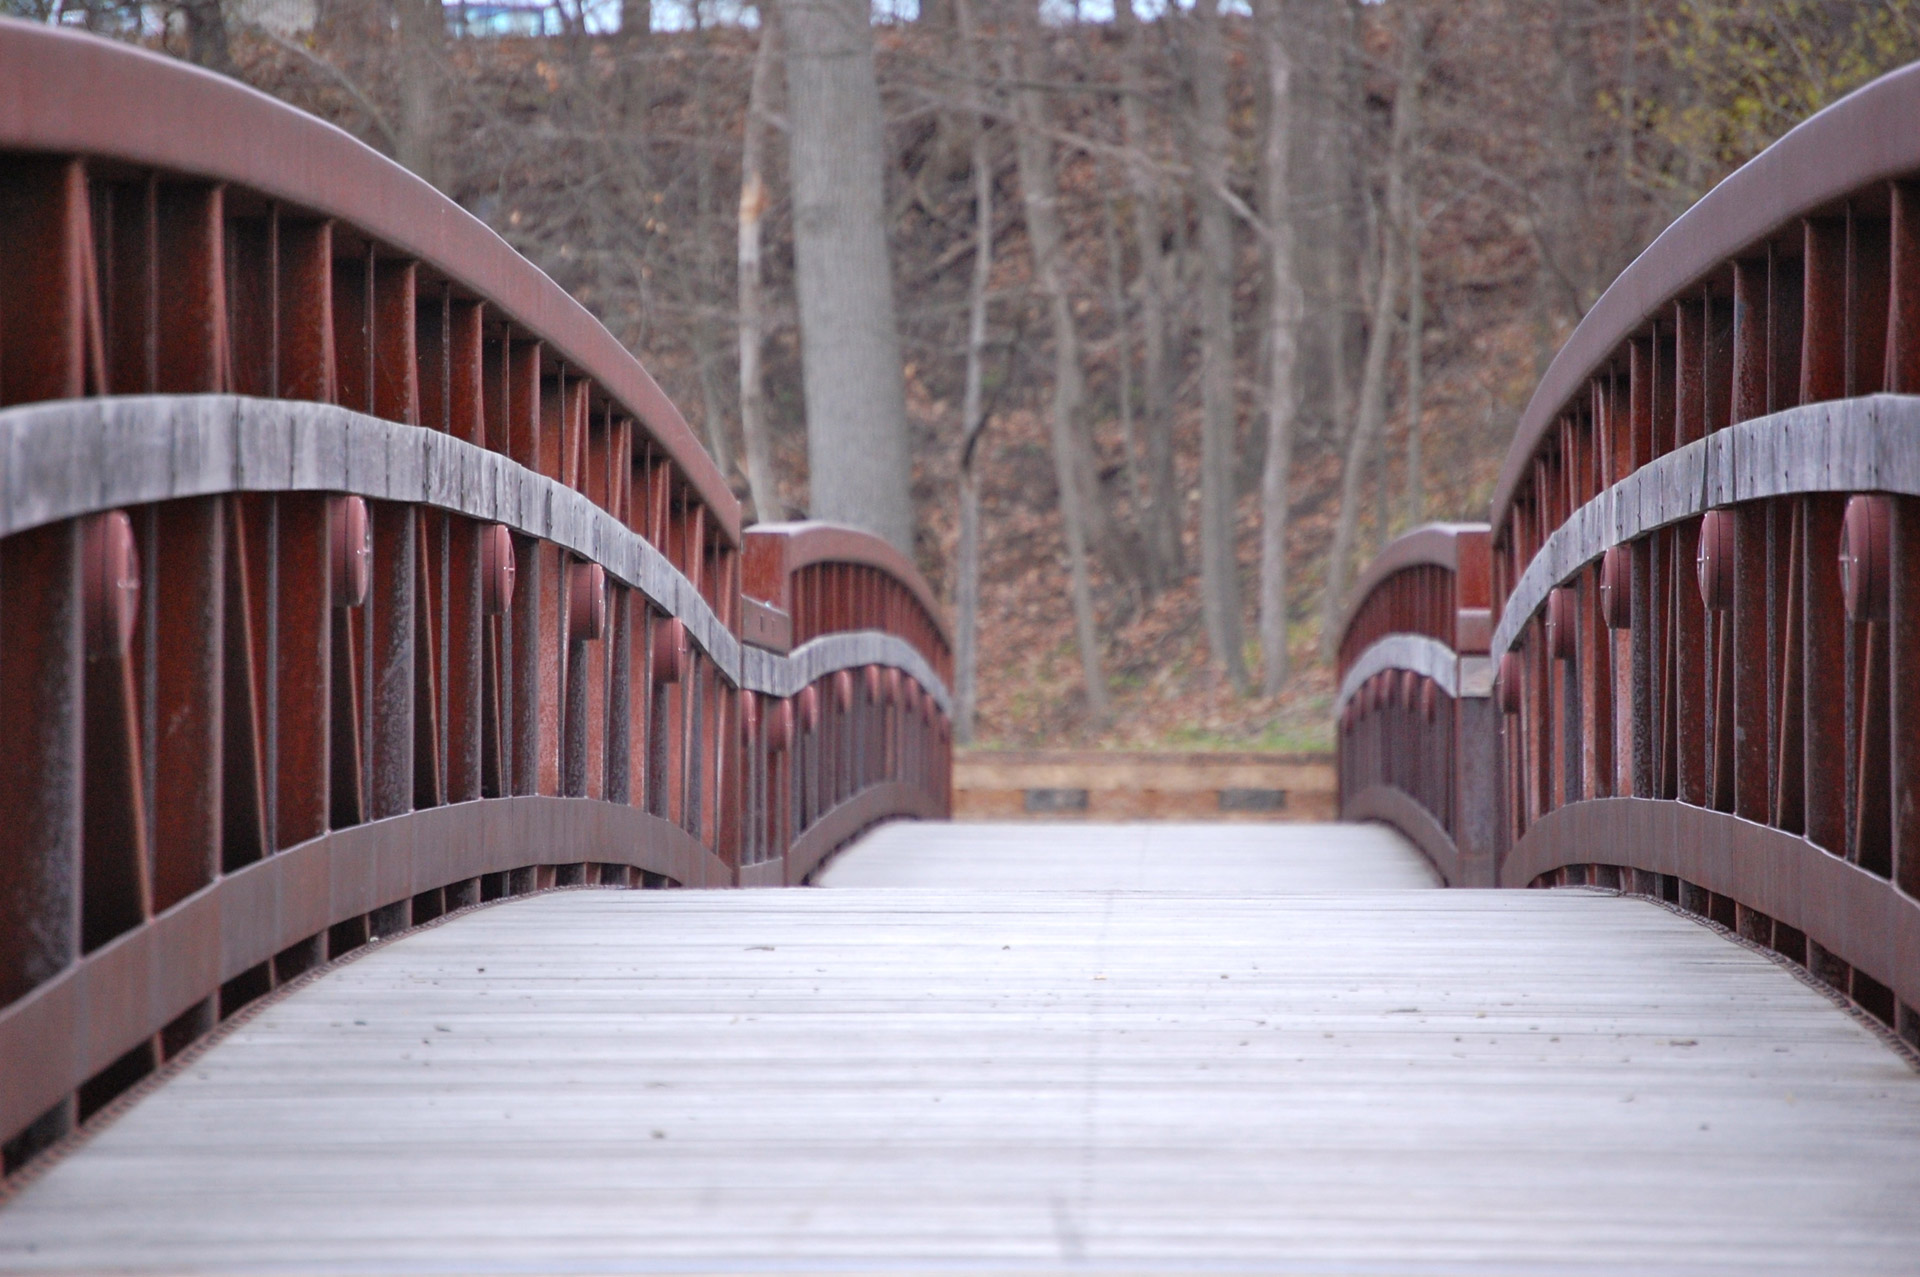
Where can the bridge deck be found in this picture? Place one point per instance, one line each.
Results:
(970, 1077)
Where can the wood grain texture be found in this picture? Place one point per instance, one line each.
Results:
(957, 1076)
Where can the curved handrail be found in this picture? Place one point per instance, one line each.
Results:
(1412, 704)
(1706, 537)
(1429, 545)
(65, 459)
(1433, 580)
(781, 549)
(1838, 446)
(1864, 138)
(66, 93)
(351, 573)
(777, 560)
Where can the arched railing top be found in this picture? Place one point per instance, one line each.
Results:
(1433, 581)
(787, 566)
(1703, 549)
(1865, 139)
(778, 550)
(67, 93)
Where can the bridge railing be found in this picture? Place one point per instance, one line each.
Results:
(1706, 556)
(1416, 742)
(351, 573)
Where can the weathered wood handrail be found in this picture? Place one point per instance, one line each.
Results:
(1706, 556)
(350, 573)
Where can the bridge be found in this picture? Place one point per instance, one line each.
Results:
(396, 703)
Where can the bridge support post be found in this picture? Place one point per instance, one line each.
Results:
(1480, 806)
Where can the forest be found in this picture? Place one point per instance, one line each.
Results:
(1192, 306)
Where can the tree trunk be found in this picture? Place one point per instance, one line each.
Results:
(706, 358)
(423, 34)
(1373, 380)
(1284, 309)
(1160, 521)
(973, 421)
(633, 84)
(753, 323)
(858, 467)
(1416, 30)
(1045, 239)
(1416, 372)
(1123, 352)
(705, 340)
(1219, 565)
(207, 41)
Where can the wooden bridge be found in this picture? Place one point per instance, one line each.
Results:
(368, 616)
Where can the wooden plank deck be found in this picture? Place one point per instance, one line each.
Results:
(1241, 859)
(968, 1078)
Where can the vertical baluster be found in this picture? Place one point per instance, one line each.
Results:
(1691, 635)
(1789, 795)
(1749, 619)
(465, 664)
(1826, 665)
(617, 719)
(640, 790)
(132, 289)
(1902, 376)
(41, 694)
(243, 798)
(523, 704)
(301, 684)
(1903, 693)
(1866, 302)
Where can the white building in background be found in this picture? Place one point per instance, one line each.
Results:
(284, 18)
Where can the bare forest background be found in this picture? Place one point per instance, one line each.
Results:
(1195, 306)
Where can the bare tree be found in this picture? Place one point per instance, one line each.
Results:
(1371, 410)
(1160, 521)
(753, 320)
(858, 468)
(207, 39)
(704, 330)
(423, 36)
(1046, 240)
(1416, 354)
(1219, 565)
(973, 418)
(1283, 324)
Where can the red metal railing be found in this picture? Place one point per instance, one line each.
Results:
(1414, 718)
(350, 573)
(829, 578)
(1706, 541)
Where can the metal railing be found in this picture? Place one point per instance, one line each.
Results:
(351, 573)
(1706, 547)
(1416, 748)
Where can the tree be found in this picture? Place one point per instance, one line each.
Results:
(1160, 521)
(1283, 324)
(973, 416)
(1046, 241)
(753, 320)
(423, 36)
(1219, 565)
(857, 462)
(1371, 411)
